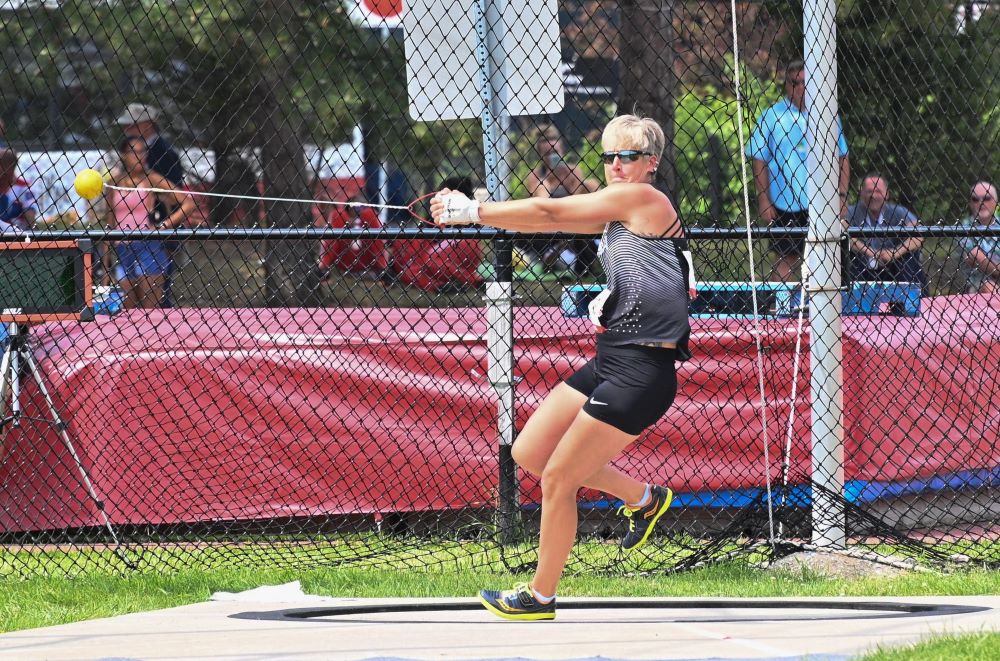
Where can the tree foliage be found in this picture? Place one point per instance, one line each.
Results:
(918, 98)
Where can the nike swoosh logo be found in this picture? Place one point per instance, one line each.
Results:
(594, 401)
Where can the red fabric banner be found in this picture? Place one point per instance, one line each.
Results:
(187, 415)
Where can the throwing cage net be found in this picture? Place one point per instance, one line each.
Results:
(287, 367)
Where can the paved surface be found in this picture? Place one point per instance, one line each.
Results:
(674, 629)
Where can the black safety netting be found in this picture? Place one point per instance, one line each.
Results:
(250, 348)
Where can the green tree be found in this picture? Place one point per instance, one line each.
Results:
(917, 97)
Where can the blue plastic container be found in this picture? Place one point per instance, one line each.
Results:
(900, 299)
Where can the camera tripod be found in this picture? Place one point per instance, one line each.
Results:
(18, 362)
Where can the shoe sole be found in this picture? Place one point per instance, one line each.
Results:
(652, 524)
(515, 616)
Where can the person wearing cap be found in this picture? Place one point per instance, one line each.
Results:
(139, 120)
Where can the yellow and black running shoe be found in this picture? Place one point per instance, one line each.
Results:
(642, 520)
(517, 604)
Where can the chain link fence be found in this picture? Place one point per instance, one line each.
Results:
(287, 367)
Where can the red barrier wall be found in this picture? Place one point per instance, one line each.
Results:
(189, 415)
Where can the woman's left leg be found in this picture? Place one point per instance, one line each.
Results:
(585, 449)
(150, 291)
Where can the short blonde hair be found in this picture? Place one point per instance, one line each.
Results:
(635, 132)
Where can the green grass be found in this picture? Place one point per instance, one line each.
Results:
(47, 601)
(969, 647)
(50, 600)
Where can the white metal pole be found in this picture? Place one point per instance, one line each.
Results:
(824, 264)
(499, 292)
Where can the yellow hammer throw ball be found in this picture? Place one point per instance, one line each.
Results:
(89, 184)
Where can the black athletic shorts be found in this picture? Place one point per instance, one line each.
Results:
(790, 246)
(629, 387)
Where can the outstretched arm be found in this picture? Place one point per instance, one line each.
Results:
(586, 213)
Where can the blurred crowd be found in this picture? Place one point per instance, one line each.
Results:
(777, 151)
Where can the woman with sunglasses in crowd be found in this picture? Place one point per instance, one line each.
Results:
(642, 330)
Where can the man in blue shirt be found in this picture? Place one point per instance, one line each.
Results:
(890, 258)
(778, 150)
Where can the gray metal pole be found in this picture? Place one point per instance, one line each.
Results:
(824, 263)
(499, 292)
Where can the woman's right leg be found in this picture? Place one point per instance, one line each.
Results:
(548, 425)
(130, 293)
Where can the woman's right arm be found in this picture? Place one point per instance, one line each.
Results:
(109, 207)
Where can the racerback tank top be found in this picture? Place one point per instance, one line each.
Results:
(648, 279)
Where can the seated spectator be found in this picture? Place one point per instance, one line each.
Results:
(895, 259)
(18, 207)
(556, 177)
(981, 254)
(440, 266)
(362, 256)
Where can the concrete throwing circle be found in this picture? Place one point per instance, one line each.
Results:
(722, 610)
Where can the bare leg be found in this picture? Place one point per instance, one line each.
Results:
(543, 432)
(131, 293)
(150, 291)
(583, 453)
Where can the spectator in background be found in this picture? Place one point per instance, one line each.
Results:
(778, 150)
(18, 208)
(445, 266)
(891, 258)
(139, 120)
(362, 256)
(142, 264)
(555, 177)
(981, 255)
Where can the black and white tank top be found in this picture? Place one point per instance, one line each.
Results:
(648, 279)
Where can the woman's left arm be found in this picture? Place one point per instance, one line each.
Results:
(181, 204)
(586, 213)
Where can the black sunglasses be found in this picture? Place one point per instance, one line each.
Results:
(978, 198)
(626, 156)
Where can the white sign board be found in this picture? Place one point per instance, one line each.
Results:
(50, 175)
(442, 69)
